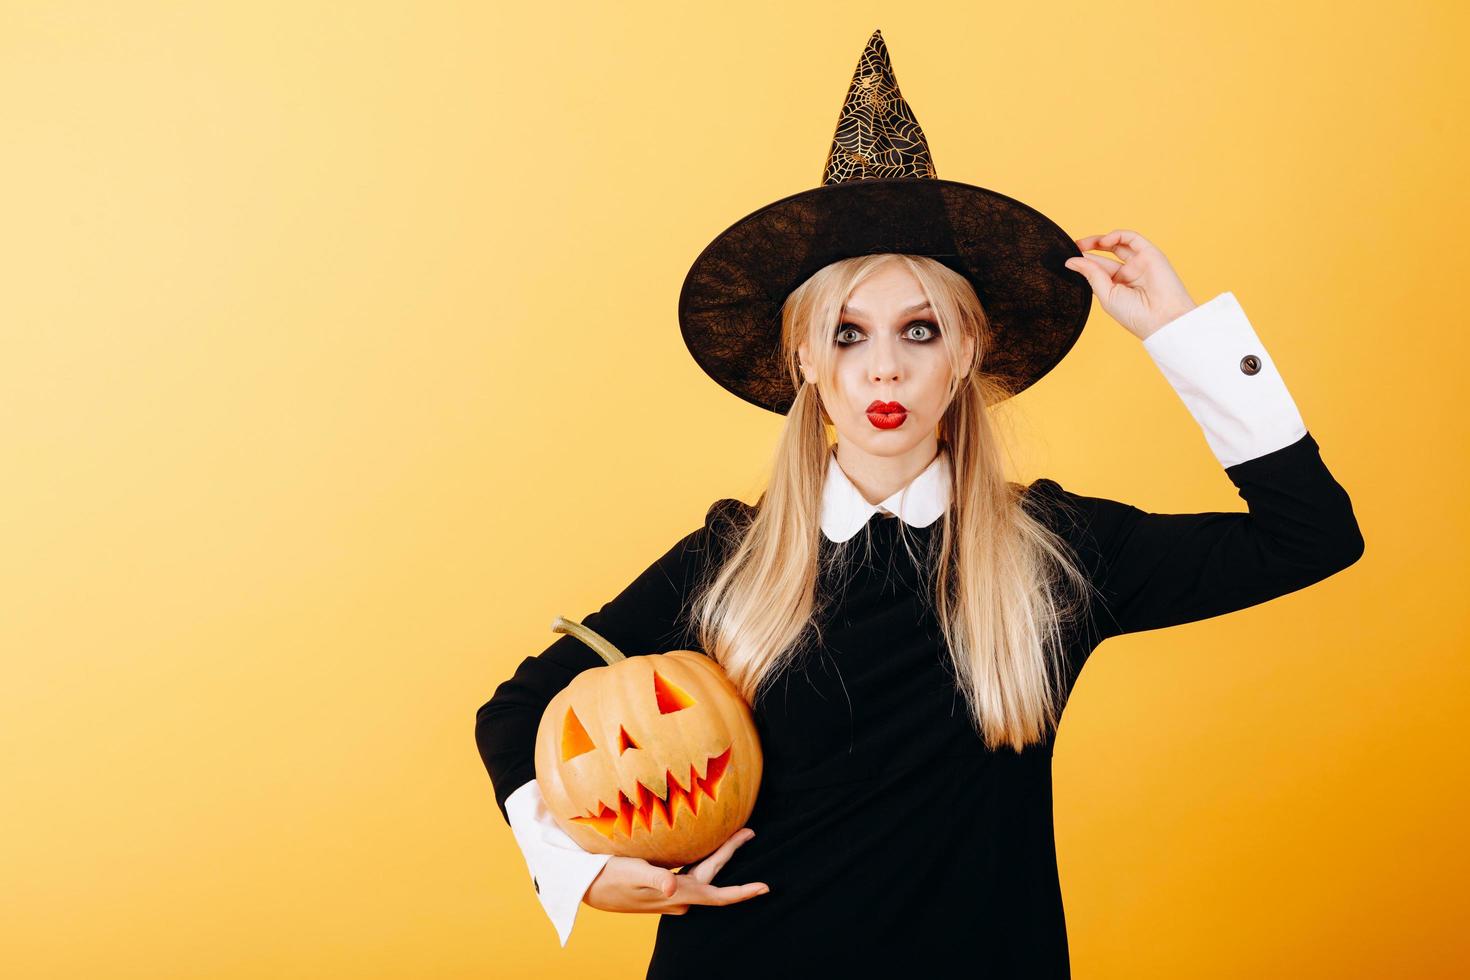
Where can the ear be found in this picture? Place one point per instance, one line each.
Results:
(967, 344)
(806, 368)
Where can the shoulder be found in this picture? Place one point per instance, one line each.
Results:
(728, 517)
(1091, 525)
(683, 562)
(1072, 515)
(725, 523)
(1045, 498)
(728, 509)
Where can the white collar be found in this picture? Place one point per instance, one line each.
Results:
(845, 510)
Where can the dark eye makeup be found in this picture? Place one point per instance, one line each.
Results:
(933, 332)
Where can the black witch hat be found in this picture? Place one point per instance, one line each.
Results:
(880, 193)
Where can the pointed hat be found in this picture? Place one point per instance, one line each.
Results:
(881, 193)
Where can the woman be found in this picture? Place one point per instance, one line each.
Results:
(906, 623)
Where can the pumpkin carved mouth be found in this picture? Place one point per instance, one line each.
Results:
(651, 806)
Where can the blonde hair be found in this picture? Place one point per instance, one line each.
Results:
(1004, 584)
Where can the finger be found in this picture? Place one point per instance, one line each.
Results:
(698, 894)
(705, 870)
(1096, 243)
(1124, 273)
(1111, 272)
(1118, 242)
(1102, 243)
(1119, 273)
(663, 881)
(1091, 269)
(1124, 242)
(1110, 266)
(1131, 239)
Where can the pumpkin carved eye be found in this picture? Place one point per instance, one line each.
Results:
(574, 738)
(670, 697)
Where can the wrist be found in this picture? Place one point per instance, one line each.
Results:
(1167, 318)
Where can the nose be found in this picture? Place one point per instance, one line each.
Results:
(883, 366)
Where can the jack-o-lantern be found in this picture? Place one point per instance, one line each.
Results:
(653, 756)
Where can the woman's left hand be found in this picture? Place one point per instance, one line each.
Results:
(1142, 292)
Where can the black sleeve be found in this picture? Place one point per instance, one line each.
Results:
(649, 616)
(1157, 570)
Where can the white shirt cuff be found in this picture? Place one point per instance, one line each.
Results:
(561, 870)
(1206, 355)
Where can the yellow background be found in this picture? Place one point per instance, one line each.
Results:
(313, 320)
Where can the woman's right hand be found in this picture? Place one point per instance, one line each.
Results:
(629, 884)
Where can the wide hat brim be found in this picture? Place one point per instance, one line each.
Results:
(1012, 254)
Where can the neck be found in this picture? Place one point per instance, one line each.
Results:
(878, 477)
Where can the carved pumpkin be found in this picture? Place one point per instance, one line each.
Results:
(652, 756)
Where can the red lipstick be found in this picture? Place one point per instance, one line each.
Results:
(887, 415)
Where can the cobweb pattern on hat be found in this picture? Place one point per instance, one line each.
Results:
(878, 135)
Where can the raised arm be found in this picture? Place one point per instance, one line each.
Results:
(649, 616)
(1155, 570)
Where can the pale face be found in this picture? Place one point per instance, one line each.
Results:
(888, 350)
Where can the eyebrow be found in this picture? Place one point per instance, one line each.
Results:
(854, 311)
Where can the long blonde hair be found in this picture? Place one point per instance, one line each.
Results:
(1004, 584)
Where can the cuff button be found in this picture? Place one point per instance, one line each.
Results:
(1250, 364)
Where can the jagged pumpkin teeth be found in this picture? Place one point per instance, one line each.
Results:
(650, 804)
(717, 767)
(603, 825)
(677, 797)
(613, 727)
(663, 811)
(644, 807)
(692, 796)
(625, 815)
(716, 771)
(651, 807)
(674, 782)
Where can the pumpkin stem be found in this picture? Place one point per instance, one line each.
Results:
(604, 649)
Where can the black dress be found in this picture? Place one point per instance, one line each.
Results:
(891, 838)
